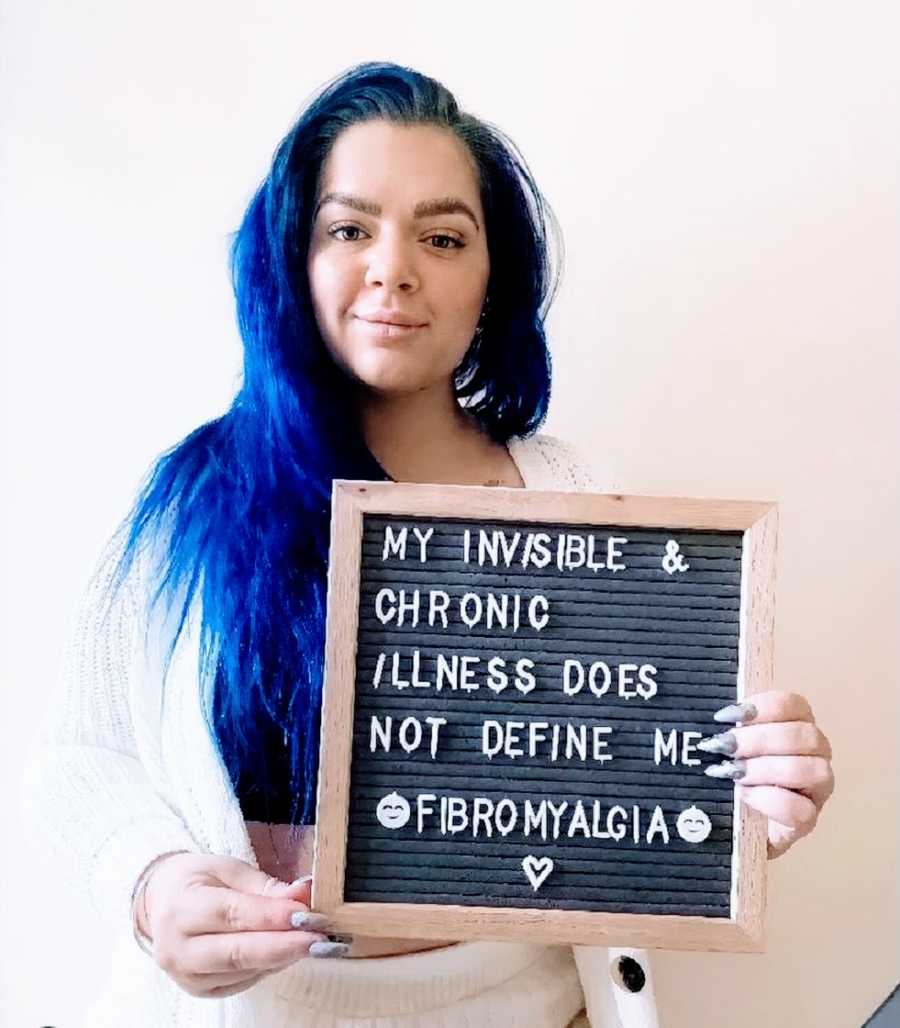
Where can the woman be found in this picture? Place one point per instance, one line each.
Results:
(392, 280)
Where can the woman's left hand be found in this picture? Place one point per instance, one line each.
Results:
(781, 761)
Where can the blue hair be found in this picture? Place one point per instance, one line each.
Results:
(246, 498)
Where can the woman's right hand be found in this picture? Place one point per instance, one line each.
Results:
(219, 925)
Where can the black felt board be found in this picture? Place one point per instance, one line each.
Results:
(684, 623)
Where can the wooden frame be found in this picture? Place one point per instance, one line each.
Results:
(743, 931)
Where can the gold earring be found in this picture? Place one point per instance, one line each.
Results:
(481, 317)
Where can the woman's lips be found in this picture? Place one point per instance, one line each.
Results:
(386, 330)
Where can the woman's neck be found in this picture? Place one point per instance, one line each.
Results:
(426, 437)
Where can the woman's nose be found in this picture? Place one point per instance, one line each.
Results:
(391, 265)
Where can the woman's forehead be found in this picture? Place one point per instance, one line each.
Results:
(423, 208)
(412, 167)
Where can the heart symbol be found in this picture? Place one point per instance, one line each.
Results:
(537, 870)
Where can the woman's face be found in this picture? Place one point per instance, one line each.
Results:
(398, 234)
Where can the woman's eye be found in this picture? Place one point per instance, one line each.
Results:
(344, 228)
(449, 242)
(457, 244)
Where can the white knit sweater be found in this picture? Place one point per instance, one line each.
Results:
(119, 777)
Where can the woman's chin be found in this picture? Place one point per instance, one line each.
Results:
(393, 382)
(392, 391)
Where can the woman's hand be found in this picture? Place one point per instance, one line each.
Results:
(219, 925)
(781, 759)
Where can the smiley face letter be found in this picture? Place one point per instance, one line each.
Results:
(392, 810)
(693, 825)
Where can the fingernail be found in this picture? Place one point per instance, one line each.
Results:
(724, 742)
(733, 769)
(328, 949)
(347, 940)
(736, 712)
(300, 881)
(311, 922)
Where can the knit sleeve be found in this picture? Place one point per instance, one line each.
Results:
(85, 792)
(568, 465)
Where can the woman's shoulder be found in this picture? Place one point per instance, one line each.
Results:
(550, 462)
(115, 595)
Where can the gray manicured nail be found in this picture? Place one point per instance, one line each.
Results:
(328, 949)
(345, 939)
(311, 922)
(733, 769)
(736, 712)
(724, 742)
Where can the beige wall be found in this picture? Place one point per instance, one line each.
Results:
(726, 180)
(730, 329)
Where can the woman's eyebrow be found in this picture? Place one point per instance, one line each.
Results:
(425, 209)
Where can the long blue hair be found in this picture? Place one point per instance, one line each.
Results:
(240, 508)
